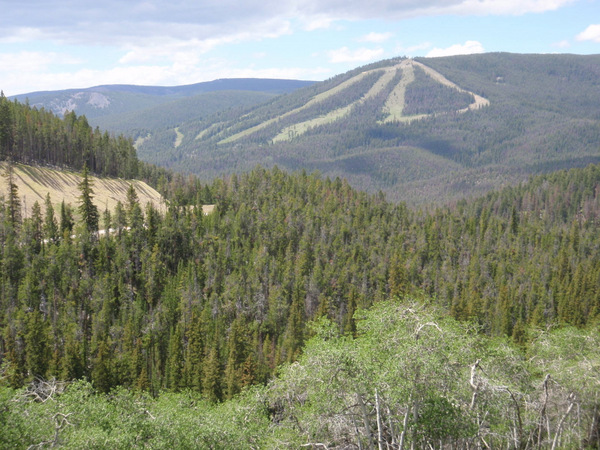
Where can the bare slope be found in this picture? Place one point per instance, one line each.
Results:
(36, 182)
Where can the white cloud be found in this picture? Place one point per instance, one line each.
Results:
(118, 22)
(27, 61)
(401, 50)
(345, 55)
(591, 33)
(318, 23)
(376, 38)
(22, 34)
(468, 48)
(501, 7)
(562, 44)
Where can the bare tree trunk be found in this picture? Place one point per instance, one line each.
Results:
(365, 416)
(474, 385)
(562, 421)
(519, 431)
(391, 424)
(357, 432)
(404, 425)
(379, 425)
(543, 412)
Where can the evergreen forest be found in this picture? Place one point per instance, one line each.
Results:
(300, 313)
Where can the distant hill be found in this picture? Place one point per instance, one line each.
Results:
(419, 130)
(126, 107)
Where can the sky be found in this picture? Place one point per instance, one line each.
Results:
(62, 44)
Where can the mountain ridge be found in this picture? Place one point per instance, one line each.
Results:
(542, 115)
(95, 102)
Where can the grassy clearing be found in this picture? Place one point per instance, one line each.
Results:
(394, 104)
(35, 182)
(140, 141)
(204, 132)
(479, 100)
(300, 128)
(179, 138)
(316, 99)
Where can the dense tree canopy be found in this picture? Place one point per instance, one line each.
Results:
(216, 302)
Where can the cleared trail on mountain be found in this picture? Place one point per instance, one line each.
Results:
(393, 107)
(300, 128)
(479, 100)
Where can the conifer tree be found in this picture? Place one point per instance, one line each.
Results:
(66, 219)
(194, 355)
(175, 362)
(5, 126)
(211, 383)
(50, 225)
(73, 367)
(87, 209)
(102, 368)
(235, 359)
(13, 201)
(36, 345)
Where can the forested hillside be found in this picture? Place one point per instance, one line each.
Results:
(412, 378)
(217, 302)
(293, 268)
(433, 129)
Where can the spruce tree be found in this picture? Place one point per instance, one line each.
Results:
(5, 126)
(50, 225)
(66, 219)
(36, 345)
(13, 201)
(87, 209)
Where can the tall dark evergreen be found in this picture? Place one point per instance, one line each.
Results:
(50, 225)
(6, 126)
(13, 201)
(87, 209)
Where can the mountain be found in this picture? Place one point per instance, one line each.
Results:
(115, 107)
(419, 130)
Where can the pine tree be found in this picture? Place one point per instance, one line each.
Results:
(294, 333)
(235, 359)
(13, 201)
(50, 225)
(194, 355)
(211, 384)
(73, 367)
(87, 209)
(36, 345)
(66, 219)
(6, 124)
(102, 368)
(175, 362)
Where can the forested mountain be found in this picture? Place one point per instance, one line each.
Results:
(121, 108)
(299, 275)
(430, 129)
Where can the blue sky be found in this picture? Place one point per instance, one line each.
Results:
(80, 43)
